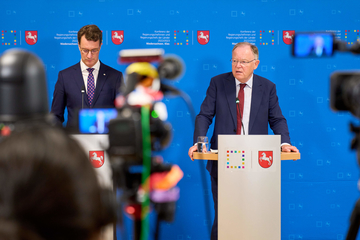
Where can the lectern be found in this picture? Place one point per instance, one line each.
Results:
(249, 175)
(95, 146)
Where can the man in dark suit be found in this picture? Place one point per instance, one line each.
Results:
(260, 108)
(100, 81)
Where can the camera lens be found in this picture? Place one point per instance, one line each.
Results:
(345, 92)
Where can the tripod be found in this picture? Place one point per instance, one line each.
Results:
(355, 215)
(354, 222)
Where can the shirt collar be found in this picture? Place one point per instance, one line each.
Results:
(249, 83)
(84, 67)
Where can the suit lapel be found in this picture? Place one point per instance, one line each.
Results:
(78, 78)
(230, 91)
(100, 82)
(256, 97)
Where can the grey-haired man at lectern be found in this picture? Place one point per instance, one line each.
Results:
(243, 103)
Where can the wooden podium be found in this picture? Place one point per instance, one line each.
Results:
(214, 156)
(249, 186)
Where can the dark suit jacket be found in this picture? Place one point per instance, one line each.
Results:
(220, 102)
(68, 87)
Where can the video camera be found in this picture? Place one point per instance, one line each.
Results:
(23, 91)
(344, 86)
(344, 90)
(140, 128)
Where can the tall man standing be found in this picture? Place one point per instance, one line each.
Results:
(258, 107)
(100, 81)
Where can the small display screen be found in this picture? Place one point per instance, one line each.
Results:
(313, 45)
(96, 120)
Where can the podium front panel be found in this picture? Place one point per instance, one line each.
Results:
(249, 187)
(95, 146)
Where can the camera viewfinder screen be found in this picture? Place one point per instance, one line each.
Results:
(93, 121)
(313, 45)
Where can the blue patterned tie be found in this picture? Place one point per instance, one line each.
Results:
(90, 85)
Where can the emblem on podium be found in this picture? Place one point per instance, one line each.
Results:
(97, 158)
(266, 159)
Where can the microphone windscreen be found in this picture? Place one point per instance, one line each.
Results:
(170, 68)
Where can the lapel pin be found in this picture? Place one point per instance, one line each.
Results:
(104, 74)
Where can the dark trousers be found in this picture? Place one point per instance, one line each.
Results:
(214, 190)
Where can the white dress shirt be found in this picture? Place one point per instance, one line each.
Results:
(247, 102)
(85, 72)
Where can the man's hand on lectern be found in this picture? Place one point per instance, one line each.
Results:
(289, 148)
(191, 150)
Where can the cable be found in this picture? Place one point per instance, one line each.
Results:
(202, 165)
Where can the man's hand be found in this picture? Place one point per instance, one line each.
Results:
(191, 150)
(289, 148)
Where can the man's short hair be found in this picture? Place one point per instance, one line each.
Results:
(254, 49)
(91, 32)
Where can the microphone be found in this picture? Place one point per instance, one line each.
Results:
(242, 125)
(170, 68)
(82, 96)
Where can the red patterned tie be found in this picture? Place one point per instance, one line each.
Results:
(241, 106)
(90, 85)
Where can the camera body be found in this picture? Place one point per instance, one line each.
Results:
(345, 92)
(313, 45)
(344, 86)
(140, 128)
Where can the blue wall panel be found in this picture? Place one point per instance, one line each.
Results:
(319, 191)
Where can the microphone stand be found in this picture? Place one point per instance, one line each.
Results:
(82, 96)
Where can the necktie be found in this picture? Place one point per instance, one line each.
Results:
(90, 85)
(241, 106)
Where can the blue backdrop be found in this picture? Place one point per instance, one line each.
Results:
(319, 191)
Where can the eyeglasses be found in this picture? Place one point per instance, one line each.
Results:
(86, 51)
(242, 63)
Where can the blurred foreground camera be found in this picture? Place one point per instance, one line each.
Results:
(344, 86)
(23, 91)
(313, 45)
(23, 88)
(145, 181)
(125, 134)
(345, 92)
